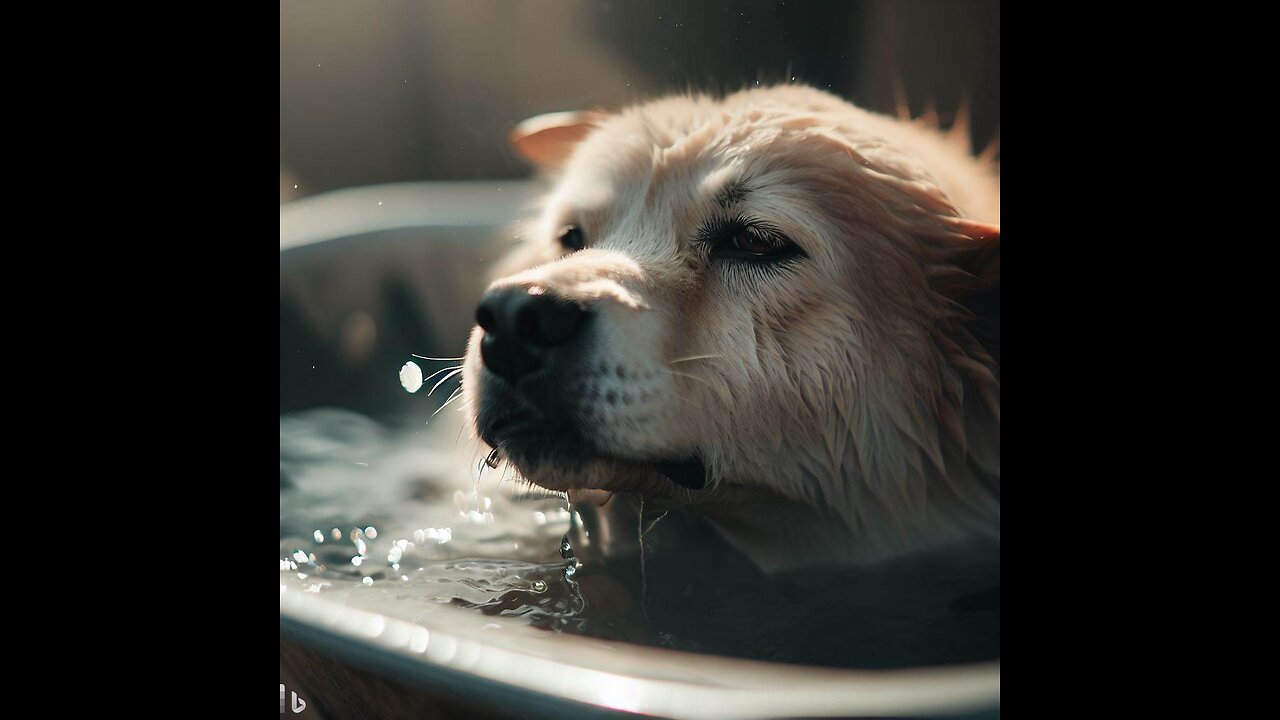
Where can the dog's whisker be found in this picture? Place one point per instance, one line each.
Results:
(455, 367)
(439, 359)
(456, 394)
(691, 358)
(442, 380)
(492, 459)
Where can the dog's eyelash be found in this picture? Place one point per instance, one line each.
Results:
(744, 277)
(722, 238)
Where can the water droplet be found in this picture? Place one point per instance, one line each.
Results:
(371, 532)
(411, 377)
(539, 586)
(570, 569)
(319, 536)
(367, 581)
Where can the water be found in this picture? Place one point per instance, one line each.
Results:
(408, 522)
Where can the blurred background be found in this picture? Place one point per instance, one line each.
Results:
(397, 186)
(382, 91)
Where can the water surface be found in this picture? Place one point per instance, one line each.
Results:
(407, 521)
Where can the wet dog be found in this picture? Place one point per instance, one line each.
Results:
(754, 308)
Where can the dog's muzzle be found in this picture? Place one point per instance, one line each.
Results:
(533, 340)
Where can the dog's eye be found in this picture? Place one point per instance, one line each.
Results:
(747, 241)
(572, 238)
(743, 238)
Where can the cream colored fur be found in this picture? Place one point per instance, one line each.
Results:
(842, 408)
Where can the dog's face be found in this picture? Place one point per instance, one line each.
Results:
(721, 297)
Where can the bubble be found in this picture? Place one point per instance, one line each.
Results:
(539, 586)
(300, 556)
(319, 536)
(357, 560)
(336, 534)
(371, 532)
(367, 581)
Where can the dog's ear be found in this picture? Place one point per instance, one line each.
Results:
(977, 250)
(548, 140)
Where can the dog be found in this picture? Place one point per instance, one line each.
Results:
(752, 308)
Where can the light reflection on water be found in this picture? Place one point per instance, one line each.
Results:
(416, 527)
(408, 523)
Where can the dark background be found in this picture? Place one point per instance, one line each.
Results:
(378, 91)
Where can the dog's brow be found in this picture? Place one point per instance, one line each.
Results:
(731, 194)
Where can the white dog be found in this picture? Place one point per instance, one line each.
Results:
(752, 308)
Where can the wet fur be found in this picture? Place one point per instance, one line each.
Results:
(844, 410)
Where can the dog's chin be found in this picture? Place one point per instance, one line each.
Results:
(557, 452)
(564, 460)
(592, 470)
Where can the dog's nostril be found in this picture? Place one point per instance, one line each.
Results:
(522, 330)
(486, 320)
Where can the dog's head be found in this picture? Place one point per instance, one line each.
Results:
(722, 297)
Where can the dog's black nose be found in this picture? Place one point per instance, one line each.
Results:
(523, 328)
